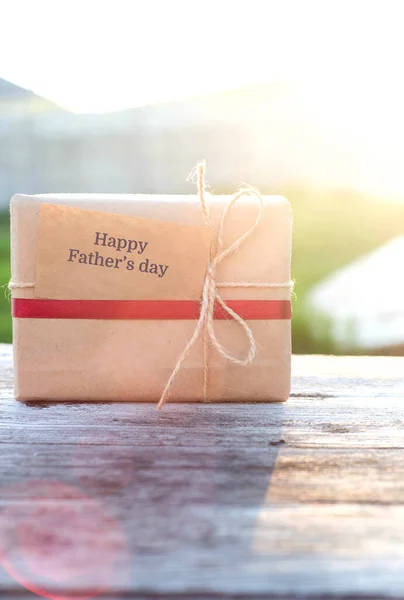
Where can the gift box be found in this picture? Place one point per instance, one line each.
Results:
(131, 297)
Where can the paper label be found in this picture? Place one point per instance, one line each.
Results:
(85, 254)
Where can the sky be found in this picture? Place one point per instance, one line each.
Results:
(101, 55)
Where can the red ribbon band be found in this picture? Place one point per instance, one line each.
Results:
(36, 308)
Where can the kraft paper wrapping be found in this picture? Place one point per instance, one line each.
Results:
(105, 360)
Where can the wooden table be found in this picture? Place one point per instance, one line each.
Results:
(296, 500)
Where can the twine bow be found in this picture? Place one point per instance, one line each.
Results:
(210, 295)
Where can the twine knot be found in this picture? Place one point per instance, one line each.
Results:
(210, 295)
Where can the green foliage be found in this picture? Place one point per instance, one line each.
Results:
(330, 230)
(5, 319)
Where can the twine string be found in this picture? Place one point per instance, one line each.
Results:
(15, 285)
(210, 295)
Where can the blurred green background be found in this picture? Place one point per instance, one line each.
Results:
(330, 230)
(5, 319)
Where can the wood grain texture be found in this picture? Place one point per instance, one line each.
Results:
(213, 501)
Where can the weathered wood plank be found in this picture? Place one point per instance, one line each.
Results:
(304, 499)
(273, 549)
(353, 376)
(362, 422)
(224, 475)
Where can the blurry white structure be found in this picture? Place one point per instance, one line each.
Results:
(364, 301)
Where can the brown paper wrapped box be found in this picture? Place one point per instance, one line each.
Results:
(131, 360)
